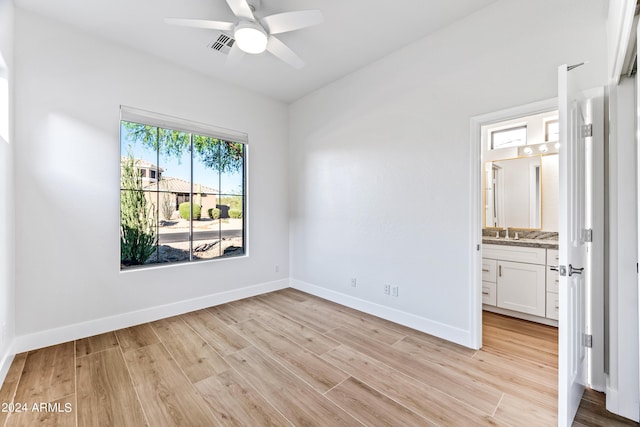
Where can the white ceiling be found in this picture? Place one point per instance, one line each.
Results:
(354, 34)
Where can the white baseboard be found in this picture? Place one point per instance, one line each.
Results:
(423, 324)
(98, 326)
(614, 405)
(5, 362)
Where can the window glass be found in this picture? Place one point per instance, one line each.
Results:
(179, 212)
(512, 137)
(551, 131)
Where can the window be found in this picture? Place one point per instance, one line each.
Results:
(551, 130)
(511, 137)
(195, 209)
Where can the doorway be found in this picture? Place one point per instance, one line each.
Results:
(479, 208)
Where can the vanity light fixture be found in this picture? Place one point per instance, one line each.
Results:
(527, 150)
(557, 145)
(543, 148)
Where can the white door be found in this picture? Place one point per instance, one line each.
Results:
(573, 115)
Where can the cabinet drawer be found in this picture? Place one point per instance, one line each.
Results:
(489, 293)
(553, 258)
(553, 280)
(489, 270)
(553, 303)
(515, 253)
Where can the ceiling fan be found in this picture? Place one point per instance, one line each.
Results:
(255, 35)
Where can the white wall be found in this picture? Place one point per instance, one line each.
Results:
(6, 201)
(381, 157)
(623, 394)
(70, 87)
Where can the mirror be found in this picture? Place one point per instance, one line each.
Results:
(513, 193)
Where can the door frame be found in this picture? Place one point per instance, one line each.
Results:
(476, 208)
(595, 311)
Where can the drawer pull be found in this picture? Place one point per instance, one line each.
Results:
(485, 271)
(557, 308)
(487, 293)
(499, 271)
(553, 267)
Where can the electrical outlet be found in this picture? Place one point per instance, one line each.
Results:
(354, 282)
(394, 291)
(387, 289)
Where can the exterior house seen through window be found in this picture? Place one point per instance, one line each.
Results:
(182, 193)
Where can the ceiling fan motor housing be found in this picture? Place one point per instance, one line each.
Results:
(254, 4)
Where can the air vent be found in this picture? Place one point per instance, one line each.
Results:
(222, 43)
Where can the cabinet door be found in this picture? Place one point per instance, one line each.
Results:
(521, 287)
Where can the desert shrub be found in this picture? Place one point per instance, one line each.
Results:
(137, 216)
(214, 213)
(167, 207)
(234, 202)
(185, 209)
(235, 213)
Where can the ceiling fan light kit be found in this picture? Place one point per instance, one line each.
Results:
(251, 37)
(255, 35)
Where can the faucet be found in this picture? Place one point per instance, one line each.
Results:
(506, 232)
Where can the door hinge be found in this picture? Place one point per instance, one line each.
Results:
(587, 235)
(587, 340)
(587, 131)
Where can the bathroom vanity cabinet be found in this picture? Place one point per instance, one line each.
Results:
(517, 279)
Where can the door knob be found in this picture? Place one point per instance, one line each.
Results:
(573, 270)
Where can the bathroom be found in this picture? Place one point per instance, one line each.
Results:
(520, 218)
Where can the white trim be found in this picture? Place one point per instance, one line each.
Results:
(475, 236)
(449, 333)
(475, 207)
(93, 327)
(137, 115)
(6, 361)
(615, 404)
(623, 22)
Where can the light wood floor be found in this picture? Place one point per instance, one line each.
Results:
(288, 358)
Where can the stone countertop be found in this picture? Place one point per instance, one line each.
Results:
(531, 243)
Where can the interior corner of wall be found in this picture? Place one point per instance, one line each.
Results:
(5, 361)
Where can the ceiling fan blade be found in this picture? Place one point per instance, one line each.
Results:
(282, 52)
(235, 55)
(290, 21)
(241, 9)
(201, 23)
